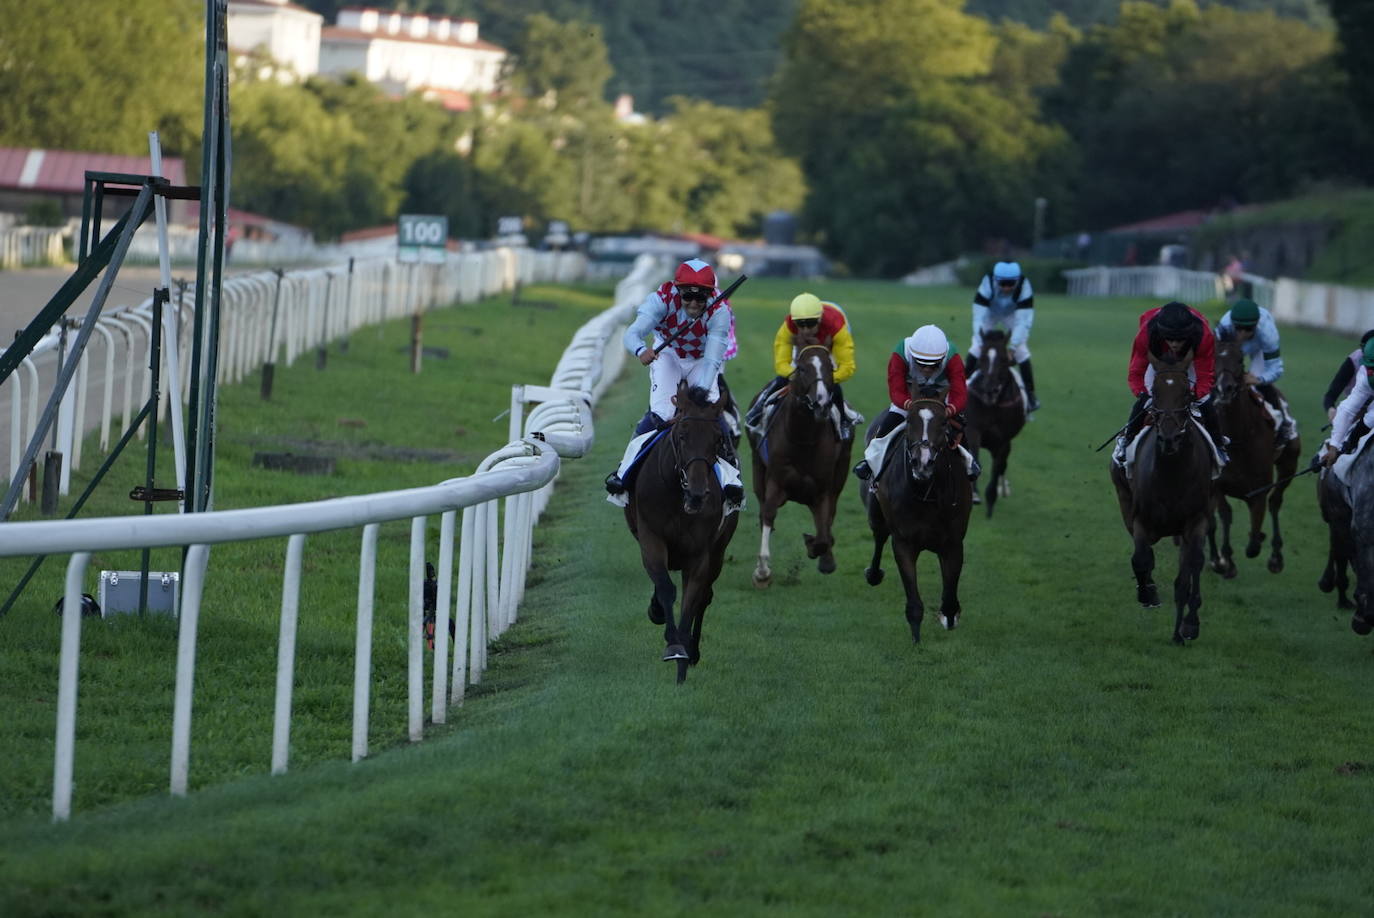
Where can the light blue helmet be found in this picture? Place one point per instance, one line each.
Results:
(1006, 270)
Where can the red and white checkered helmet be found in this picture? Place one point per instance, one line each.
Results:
(695, 272)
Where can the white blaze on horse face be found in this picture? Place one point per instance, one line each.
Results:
(992, 360)
(926, 416)
(820, 380)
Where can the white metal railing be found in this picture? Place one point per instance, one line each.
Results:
(490, 575)
(265, 317)
(32, 245)
(1157, 281)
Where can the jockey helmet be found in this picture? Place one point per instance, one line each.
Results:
(694, 272)
(1005, 272)
(806, 306)
(1174, 321)
(1244, 314)
(928, 345)
(1368, 357)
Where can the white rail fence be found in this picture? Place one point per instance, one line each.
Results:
(1349, 310)
(493, 555)
(32, 245)
(265, 317)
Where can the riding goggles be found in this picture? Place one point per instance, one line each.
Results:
(693, 293)
(807, 323)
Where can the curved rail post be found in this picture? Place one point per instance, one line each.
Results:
(286, 653)
(362, 661)
(66, 688)
(193, 580)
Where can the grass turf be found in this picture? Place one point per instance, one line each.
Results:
(1055, 754)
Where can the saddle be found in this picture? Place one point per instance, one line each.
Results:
(1128, 466)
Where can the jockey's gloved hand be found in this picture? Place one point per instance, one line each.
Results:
(699, 395)
(779, 381)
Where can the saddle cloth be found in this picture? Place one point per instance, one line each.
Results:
(638, 448)
(1129, 464)
(876, 453)
(1341, 467)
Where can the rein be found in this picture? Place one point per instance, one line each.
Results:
(681, 466)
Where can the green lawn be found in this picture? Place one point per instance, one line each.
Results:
(1054, 755)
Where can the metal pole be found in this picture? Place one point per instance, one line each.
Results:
(269, 369)
(154, 364)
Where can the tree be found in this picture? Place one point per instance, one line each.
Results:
(563, 63)
(1355, 25)
(94, 75)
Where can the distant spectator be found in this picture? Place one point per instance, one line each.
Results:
(1085, 244)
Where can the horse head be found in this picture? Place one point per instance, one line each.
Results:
(696, 437)
(813, 381)
(926, 435)
(1230, 367)
(1172, 400)
(993, 381)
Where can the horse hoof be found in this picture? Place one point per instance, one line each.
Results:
(874, 575)
(826, 565)
(1004, 488)
(675, 652)
(1252, 549)
(949, 621)
(1147, 596)
(763, 582)
(656, 612)
(1230, 572)
(1360, 625)
(1190, 631)
(1218, 566)
(1275, 563)
(1326, 583)
(1344, 603)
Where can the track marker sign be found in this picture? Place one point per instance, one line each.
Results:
(421, 237)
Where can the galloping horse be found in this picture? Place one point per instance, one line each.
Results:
(676, 513)
(921, 498)
(1253, 461)
(1360, 481)
(1169, 494)
(801, 458)
(996, 411)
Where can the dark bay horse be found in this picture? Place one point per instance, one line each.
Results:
(801, 458)
(996, 411)
(1253, 464)
(1169, 494)
(676, 514)
(921, 498)
(1340, 554)
(1360, 479)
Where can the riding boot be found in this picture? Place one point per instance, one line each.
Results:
(614, 485)
(846, 423)
(1132, 428)
(1208, 411)
(753, 420)
(1285, 431)
(731, 493)
(1028, 380)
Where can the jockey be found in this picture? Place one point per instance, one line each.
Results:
(926, 361)
(1175, 329)
(1254, 328)
(1355, 416)
(697, 345)
(808, 312)
(1004, 299)
(1344, 380)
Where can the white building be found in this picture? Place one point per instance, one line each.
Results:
(405, 52)
(287, 33)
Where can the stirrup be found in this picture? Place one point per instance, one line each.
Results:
(614, 485)
(1032, 403)
(974, 469)
(863, 471)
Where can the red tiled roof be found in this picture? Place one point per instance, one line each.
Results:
(64, 171)
(705, 240)
(452, 99)
(1182, 220)
(341, 34)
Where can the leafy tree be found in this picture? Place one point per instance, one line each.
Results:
(87, 75)
(1355, 25)
(563, 63)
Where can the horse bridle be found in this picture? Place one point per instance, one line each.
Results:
(1180, 416)
(925, 440)
(682, 467)
(987, 389)
(806, 400)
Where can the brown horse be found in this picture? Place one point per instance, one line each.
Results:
(1254, 461)
(676, 514)
(921, 498)
(1169, 494)
(996, 411)
(801, 458)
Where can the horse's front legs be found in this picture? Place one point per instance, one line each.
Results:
(1227, 567)
(998, 480)
(878, 523)
(1256, 507)
(1143, 564)
(768, 514)
(1188, 584)
(654, 554)
(905, 554)
(951, 566)
(821, 545)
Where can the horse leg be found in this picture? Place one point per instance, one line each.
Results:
(823, 515)
(695, 586)
(951, 566)
(768, 515)
(1213, 559)
(1188, 585)
(999, 470)
(1228, 563)
(878, 523)
(1256, 507)
(1143, 564)
(905, 554)
(665, 595)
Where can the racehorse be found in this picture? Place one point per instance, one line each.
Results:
(921, 498)
(996, 411)
(676, 514)
(1360, 481)
(1331, 498)
(1253, 464)
(801, 458)
(1169, 494)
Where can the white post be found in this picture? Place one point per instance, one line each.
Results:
(66, 689)
(193, 580)
(286, 653)
(415, 671)
(438, 711)
(171, 380)
(463, 612)
(478, 615)
(362, 663)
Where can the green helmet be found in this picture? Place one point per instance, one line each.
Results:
(1244, 314)
(1368, 358)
